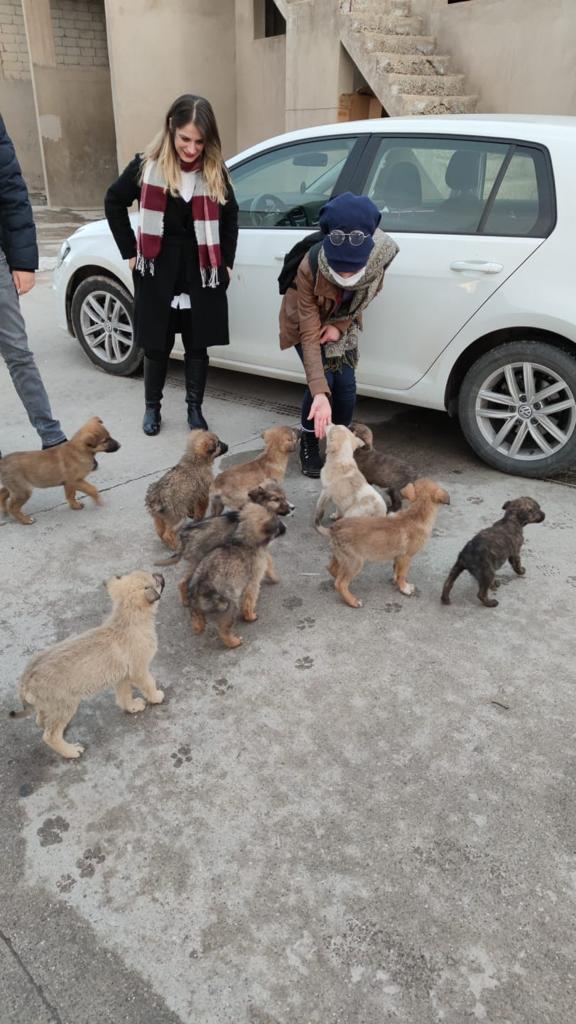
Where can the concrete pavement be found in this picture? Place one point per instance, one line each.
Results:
(359, 816)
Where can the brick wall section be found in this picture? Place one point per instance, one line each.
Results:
(14, 61)
(79, 28)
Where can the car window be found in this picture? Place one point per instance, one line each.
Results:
(434, 185)
(516, 208)
(288, 186)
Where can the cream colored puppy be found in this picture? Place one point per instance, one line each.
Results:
(342, 481)
(117, 653)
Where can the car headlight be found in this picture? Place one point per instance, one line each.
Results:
(64, 252)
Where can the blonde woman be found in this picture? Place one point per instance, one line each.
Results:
(183, 254)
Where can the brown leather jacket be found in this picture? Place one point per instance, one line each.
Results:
(304, 310)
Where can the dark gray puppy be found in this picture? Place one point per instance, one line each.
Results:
(490, 548)
(380, 470)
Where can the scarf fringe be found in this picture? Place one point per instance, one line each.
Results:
(144, 266)
(209, 277)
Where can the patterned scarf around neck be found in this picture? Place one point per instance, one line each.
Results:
(205, 213)
(344, 352)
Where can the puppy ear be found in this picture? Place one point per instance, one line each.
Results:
(256, 494)
(409, 492)
(357, 442)
(442, 497)
(151, 595)
(506, 505)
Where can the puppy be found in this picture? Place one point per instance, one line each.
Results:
(184, 490)
(117, 653)
(342, 481)
(65, 465)
(382, 470)
(196, 540)
(368, 538)
(231, 487)
(488, 550)
(228, 580)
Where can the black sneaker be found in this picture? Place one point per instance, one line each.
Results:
(311, 461)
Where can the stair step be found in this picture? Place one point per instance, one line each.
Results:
(414, 64)
(418, 105)
(427, 85)
(375, 42)
(388, 23)
(403, 7)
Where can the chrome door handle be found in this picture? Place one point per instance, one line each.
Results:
(480, 266)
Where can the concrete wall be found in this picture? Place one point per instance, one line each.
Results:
(261, 80)
(314, 70)
(16, 95)
(159, 50)
(518, 55)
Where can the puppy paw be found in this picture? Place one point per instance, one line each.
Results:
(490, 603)
(249, 616)
(233, 641)
(72, 750)
(27, 520)
(408, 589)
(76, 505)
(157, 697)
(135, 705)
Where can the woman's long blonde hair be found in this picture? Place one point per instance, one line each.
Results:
(184, 110)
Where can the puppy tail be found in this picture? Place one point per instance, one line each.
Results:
(324, 530)
(27, 709)
(172, 560)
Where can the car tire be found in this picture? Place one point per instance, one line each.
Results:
(102, 313)
(517, 408)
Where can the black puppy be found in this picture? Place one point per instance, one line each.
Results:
(488, 550)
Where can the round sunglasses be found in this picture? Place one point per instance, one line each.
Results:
(338, 237)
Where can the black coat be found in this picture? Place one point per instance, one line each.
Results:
(17, 231)
(176, 268)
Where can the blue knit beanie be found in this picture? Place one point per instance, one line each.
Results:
(349, 213)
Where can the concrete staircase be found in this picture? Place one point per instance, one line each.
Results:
(399, 61)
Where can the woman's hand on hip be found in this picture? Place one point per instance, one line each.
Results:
(329, 333)
(132, 262)
(321, 413)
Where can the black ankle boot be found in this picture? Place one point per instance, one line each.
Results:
(152, 420)
(310, 458)
(195, 373)
(154, 378)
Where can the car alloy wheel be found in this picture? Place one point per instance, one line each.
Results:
(526, 411)
(106, 327)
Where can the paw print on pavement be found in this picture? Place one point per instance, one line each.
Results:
(305, 662)
(292, 602)
(306, 623)
(51, 830)
(87, 863)
(66, 883)
(392, 606)
(475, 501)
(222, 686)
(184, 753)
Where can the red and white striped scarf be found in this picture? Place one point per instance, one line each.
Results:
(205, 213)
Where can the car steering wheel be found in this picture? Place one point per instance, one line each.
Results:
(263, 206)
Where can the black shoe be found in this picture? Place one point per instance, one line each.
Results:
(152, 420)
(310, 458)
(195, 373)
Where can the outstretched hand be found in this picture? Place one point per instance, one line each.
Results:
(321, 413)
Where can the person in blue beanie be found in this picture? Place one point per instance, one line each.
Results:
(322, 316)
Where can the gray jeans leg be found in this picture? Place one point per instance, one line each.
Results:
(20, 362)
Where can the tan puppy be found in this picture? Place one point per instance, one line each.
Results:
(398, 538)
(196, 540)
(117, 653)
(342, 481)
(231, 487)
(184, 490)
(383, 470)
(228, 580)
(67, 464)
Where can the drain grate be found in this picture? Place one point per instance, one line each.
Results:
(282, 408)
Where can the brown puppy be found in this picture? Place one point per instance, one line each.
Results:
(231, 487)
(117, 653)
(490, 548)
(228, 580)
(196, 540)
(342, 482)
(382, 470)
(65, 465)
(184, 490)
(374, 539)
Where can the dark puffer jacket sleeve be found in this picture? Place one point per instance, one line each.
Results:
(119, 199)
(17, 231)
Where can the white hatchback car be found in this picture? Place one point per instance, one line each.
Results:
(478, 311)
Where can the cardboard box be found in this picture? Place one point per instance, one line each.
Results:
(357, 106)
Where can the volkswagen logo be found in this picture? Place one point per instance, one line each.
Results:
(524, 412)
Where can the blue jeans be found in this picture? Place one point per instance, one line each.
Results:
(20, 362)
(342, 384)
